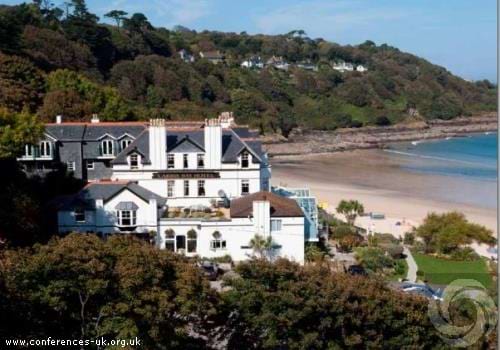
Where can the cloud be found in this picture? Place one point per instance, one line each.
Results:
(325, 18)
(163, 12)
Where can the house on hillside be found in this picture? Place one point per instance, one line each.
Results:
(361, 68)
(196, 188)
(253, 62)
(186, 56)
(213, 56)
(342, 66)
(277, 62)
(308, 66)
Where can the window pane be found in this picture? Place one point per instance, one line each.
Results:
(191, 245)
(170, 161)
(181, 242)
(185, 160)
(170, 245)
(186, 188)
(201, 188)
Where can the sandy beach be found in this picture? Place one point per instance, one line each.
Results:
(377, 179)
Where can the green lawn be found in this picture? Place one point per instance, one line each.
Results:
(441, 271)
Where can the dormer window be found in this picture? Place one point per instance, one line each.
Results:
(45, 149)
(134, 161)
(107, 148)
(244, 160)
(29, 151)
(125, 143)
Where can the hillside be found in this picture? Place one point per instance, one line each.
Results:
(55, 61)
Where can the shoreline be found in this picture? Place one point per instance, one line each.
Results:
(376, 180)
(307, 142)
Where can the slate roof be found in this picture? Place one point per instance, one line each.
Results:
(280, 206)
(234, 140)
(104, 190)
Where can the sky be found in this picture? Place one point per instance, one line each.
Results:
(460, 35)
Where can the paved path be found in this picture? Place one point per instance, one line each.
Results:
(412, 266)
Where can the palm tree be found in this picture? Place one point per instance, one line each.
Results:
(350, 209)
(261, 245)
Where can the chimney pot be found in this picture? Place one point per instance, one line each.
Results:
(58, 119)
(95, 118)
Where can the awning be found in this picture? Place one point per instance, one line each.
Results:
(126, 206)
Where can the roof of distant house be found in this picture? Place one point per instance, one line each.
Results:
(105, 190)
(280, 206)
(211, 54)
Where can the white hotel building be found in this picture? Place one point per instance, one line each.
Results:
(201, 189)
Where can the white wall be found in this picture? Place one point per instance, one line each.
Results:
(104, 219)
(237, 233)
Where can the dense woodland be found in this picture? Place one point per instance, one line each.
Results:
(81, 287)
(64, 61)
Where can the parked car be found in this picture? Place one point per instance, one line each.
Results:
(210, 270)
(356, 270)
(423, 290)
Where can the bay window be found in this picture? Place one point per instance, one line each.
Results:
(126, 217)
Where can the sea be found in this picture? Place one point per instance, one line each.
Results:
(471, 159)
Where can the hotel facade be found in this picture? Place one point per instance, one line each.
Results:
(197, 188)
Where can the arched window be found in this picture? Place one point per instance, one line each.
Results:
(191, 241)
(170, 239)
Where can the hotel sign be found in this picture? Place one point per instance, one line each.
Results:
(186, 175)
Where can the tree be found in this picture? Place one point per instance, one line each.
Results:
(21, 83)
(350, 209)
(287, 306)
(117, 15)
(16, 130)
(449, 232)
(261, 245)
(83, 287)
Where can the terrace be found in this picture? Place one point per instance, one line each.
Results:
(200, 212)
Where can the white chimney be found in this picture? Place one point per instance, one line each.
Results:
(262, 217)
(58, 119)
(226, 119)
(158, 144)
(213, 144)
(95, 119)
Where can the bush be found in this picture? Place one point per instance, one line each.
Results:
(347, 243)
(382, 121)
(385, 238)
(464, 254)
(399, 267)
(373, 259)
(394, 250)
(409, 238)
(341, 231)
(313, 252)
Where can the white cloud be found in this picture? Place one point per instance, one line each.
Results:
(324, 18)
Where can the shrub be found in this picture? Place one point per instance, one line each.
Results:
(465, 254)
(382, 121)
(373, 258)
(409, 238)
(394, 250)
(399, 267)
(313, 252)
(347, 243)
(342, 231)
